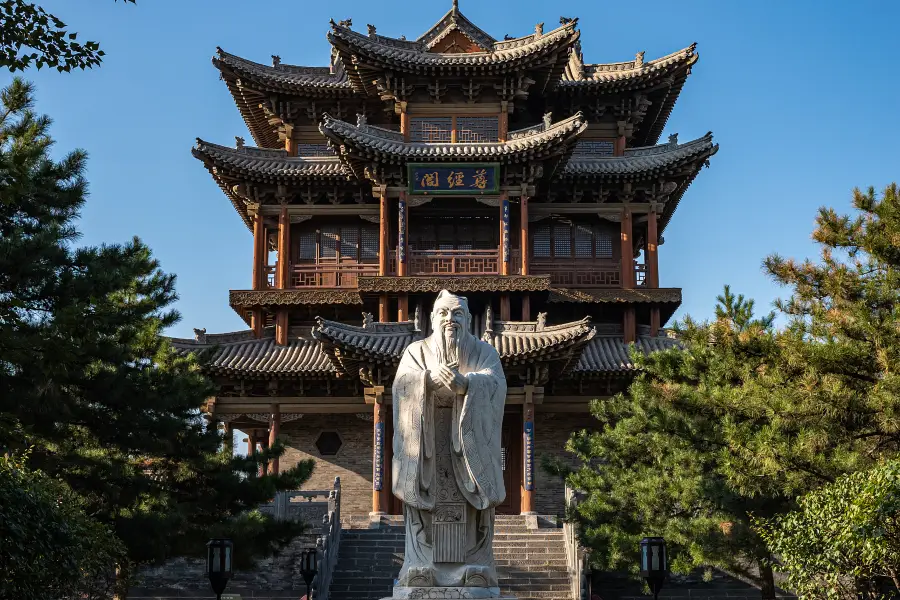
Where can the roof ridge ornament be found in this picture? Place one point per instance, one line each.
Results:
(567, 20)
(673, 140)
(276, 60)
(239, 142)
(455, 8)
(538, 30)
(348, 23)
(639, 59)
(371, 29)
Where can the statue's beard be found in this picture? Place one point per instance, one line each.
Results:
(450, 337)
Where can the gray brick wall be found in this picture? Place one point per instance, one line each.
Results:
(551, 432)
(353, 463)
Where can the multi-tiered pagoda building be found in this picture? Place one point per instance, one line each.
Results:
(510, 171)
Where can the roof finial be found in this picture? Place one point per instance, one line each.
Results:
(639, 59)
(456, 6)
(238, 142)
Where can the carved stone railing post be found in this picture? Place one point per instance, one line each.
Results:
(328, 544)
(576, 557)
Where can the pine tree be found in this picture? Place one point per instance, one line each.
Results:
(653, 464)
(86, 379)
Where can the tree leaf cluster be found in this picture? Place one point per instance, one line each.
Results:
(88, 384)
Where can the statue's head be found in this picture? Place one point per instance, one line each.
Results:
(450, 317)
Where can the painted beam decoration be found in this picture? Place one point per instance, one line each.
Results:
(463, 179)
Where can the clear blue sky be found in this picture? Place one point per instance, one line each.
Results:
(801, 95)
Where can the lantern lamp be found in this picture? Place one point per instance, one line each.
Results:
(219, 553)
(309, 567)
(654, 563)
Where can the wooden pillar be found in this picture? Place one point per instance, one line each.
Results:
(404, 122)
(651, 256)
(402, 229)
(620, 145)
(504, 233)
(629, 322)
(626, 270)
(259, 270)
(383, 254)
(528, 452)
(505, 311)
(283, 274)
(526, 307)
(503, 128)
(654, 321)
(523, 234)
(403, 307)
(383, 305)
(274, 431)
(381, 493)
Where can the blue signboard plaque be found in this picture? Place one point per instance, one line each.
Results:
(463, 179)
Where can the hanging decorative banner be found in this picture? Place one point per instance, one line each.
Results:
(528, 443)
(459, 179)
(378, 466)
(505, 213)
(401, 235)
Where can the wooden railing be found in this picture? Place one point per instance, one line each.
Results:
(330, 275)
(579, 272)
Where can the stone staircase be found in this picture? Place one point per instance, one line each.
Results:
(531, 562)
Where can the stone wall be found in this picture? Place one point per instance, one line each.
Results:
(187, 576)
(352, 463)
(551, 432)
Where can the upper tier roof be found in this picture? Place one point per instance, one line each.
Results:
(363, 142)
(456, 21)
(661, 79)
(263, 165)
(368, 53)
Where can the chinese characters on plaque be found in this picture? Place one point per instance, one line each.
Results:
(454, 179)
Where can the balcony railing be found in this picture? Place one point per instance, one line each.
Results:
(573, 273)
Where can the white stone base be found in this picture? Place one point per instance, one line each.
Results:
(446, 593)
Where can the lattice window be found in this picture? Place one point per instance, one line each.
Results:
(583, 235)
(562, 239)
(595, 148)
(350, 242)
(477, 129)
(369, 245)
(307, 246)
(431, 129)
(603, 244)
(330, 241)
(313, 150)
(540, 241)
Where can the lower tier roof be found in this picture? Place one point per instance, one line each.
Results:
(332, 348)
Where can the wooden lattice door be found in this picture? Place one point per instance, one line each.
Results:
(511, 460)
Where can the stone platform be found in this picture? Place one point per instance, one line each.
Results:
(447, 593)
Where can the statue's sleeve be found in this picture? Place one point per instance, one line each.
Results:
(480, 423)
(412, 464)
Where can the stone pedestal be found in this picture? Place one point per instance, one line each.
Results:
(447, 593)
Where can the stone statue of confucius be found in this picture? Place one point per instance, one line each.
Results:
(448, 398)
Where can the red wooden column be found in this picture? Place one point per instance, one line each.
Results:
(283, 276)
(289, 143)
(652, 260)
(504, 233)
(503, 126)
(523, 251)
(528, 452)
(381, 493)
(259, 269)
(629, 323)
(404, 122)
(274, 431)
(383, 252)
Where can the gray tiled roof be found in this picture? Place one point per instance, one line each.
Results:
(606, 354)
(641, 162)
(625, 75)
(456, 21)
(240, 354)
(414, 54)
(548, 141)
(269, 164)
(329, 81)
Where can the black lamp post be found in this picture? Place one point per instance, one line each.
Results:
(218, 564)
(308, 568)
(654, 563)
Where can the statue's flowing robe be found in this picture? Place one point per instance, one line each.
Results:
(437, 428)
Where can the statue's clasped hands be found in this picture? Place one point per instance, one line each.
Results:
(449, 378)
